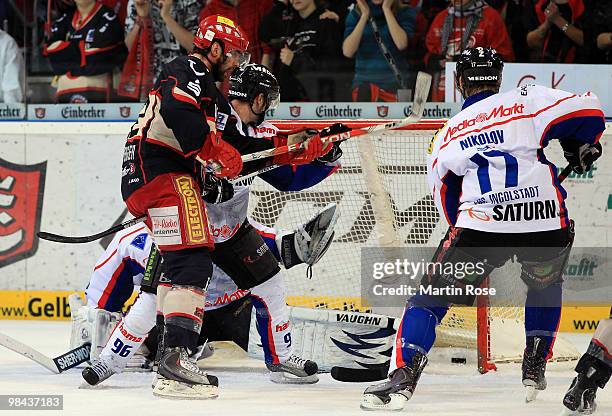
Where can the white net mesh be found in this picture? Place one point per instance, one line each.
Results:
(404, 216)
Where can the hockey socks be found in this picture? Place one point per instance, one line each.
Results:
(542, 315)
(417, 331)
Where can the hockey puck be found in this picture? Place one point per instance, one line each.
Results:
(458, 360)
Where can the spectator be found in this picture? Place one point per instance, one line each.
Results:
(275, 26)
(598, 33)
(11, 70)
(464, 24)
(554, 30)
(172, 24)
(377, 33)
(84, 46)
(309, 62)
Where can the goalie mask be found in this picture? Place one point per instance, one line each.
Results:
(247, 83)
(479, 67)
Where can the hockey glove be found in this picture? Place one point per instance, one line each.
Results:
(335, 152)
(216, 190)
(580, 155)
(226, 160)
(313, 147)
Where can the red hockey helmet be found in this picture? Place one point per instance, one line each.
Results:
(221, 28)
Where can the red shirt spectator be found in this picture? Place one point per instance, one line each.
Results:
(555, 30)
(464, 24)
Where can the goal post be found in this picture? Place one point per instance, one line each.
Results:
(384, 201)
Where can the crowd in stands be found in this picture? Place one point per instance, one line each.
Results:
(335, 50)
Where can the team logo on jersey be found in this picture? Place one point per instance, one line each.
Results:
(383, 110)
(40, 112)
(21, 196)
(295, 110)
(480, 216)
(125, 111)
(139, 241)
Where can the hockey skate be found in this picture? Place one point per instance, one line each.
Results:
(580, 398)
(294, 371)
(97, 372)
(395, 392)
(179, 377)
(534, 367)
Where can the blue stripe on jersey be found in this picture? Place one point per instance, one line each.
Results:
(450, 193)
(582, 128)
(124, 286)
(285, 178)
(560, 189)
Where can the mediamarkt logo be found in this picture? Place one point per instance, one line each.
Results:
(500, 111)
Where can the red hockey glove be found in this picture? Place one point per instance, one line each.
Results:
(313, 148)
(224, 156)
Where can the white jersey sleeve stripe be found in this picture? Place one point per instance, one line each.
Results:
(118, 243)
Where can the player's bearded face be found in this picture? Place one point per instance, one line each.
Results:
(234, 59)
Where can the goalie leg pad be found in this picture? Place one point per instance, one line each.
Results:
(130, 334)
(336, 338)
(92, 325)
(246, 258)
(272, 318)
(183, 313)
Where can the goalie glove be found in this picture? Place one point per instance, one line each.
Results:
(216, 190)
(580, 155)
(335, 151)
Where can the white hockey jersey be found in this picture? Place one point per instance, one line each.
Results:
(225, 218)
(486, 167)
(122, 265)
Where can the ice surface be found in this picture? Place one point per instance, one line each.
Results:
(246, 390)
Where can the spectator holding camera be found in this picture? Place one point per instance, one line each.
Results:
(464, 24)
(554, 30)
(11, 70)
(84, 46)
(376, 34)
(308, 41)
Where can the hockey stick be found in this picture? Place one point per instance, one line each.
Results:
(56, 365)
(421, 91)
(564, 173)
(89, 238)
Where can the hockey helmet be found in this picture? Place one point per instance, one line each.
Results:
(479, 66)
(227, 32)
(247, 83)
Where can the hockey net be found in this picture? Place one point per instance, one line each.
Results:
(382, 194)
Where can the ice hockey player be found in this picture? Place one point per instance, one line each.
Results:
(227, 308)
(594, 369)
(164, 161)
(495, 144)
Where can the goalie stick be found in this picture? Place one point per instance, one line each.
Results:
(56, 365)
